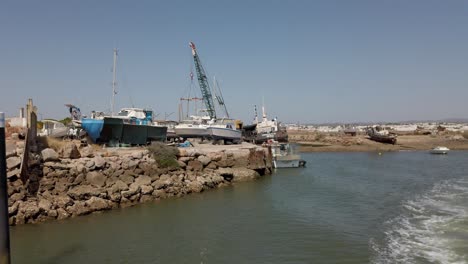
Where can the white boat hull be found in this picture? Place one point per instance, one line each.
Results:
(192, 132)
(286, 163)
(440, 150)
(218, 133)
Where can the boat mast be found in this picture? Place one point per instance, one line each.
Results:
(256, 115)
(263, 110)
(114, 92)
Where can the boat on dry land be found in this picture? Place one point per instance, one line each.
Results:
(381, 135)
(226, 132)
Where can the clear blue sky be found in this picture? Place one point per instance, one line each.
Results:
(312, 61)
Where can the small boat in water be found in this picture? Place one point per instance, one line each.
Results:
(440, 150)
(284, 156)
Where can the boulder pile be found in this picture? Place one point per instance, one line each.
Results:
(73, 182)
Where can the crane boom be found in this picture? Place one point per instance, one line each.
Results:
(203, 82)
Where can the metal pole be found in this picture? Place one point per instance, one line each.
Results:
(4, 225)
(113, 81)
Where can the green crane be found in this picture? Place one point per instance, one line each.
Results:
(203, 82)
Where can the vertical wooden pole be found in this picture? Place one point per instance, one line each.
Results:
(4, 225)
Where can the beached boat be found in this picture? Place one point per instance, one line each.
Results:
(284, 156)
(133, 126)
(53, 128)
(195, 127)
(265, 130)
(381, 135)
(440, 150)
(225, 131)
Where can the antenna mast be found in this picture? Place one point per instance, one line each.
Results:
(114, 92)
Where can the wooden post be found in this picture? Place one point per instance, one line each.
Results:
(4, 224)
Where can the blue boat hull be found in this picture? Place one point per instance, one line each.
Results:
(114, 130)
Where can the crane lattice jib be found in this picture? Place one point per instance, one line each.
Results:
(203, 82)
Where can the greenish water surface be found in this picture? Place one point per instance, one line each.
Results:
(401, 207)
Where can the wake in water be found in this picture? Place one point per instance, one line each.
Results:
(433, 228)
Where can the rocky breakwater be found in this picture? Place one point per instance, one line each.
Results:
(73, 182)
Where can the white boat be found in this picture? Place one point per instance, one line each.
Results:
(53, 128)
(268, 129)
(283, 156)
(440, 150)
(195, 127)
(226, 132)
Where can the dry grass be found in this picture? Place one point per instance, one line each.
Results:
(56, 144)
(53, 143)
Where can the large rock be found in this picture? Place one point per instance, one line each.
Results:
(182, 164)
(134, 189)
(195, 165)
(13, 209)
(118, 187)
(61, 185)
(143, 180)
(90, 165)
(159, 194)
(137, 155)
(97, 204)
(145, 189)
(226, 161)
(62, 214)
(244, 174)
(49, 154)
(195, 186)
(96, 179)
(10, 153)
(78, 208)
(70, 151)
(83, 192)
(132, 164)
(29, 209)
(204, 160)
(87, 152)
(44, 205)
(215, 156)
(99, 162)
(127, 178)
(238, 174)
(19, 196)
(13, 162)
(14, 174)
(62, 201)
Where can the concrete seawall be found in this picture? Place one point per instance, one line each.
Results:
(76, 182)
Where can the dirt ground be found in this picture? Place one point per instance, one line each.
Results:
(322, 142)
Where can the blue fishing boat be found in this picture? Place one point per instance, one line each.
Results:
(133, 126)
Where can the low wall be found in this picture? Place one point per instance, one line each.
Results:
(79, 182)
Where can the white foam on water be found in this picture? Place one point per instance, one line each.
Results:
(431, 228)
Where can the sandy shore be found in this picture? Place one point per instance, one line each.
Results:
(315, 142)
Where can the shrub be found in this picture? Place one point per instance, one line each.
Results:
(164, 155)
(320, 137)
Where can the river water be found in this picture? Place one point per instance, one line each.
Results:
(401, 207)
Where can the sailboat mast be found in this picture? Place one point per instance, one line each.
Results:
(264, 117)
(114, 70)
